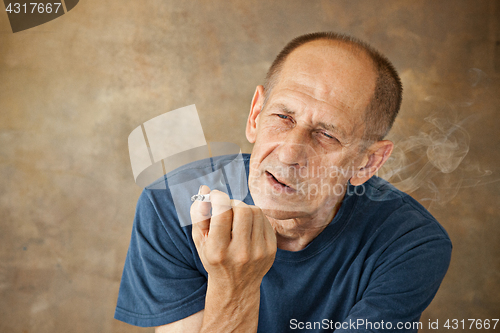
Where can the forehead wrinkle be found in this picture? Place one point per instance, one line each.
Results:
(316, 89)
(330, 70)
(343, 106)
(320, 92)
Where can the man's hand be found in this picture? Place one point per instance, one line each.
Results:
(237, 246)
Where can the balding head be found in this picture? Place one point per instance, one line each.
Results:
(386, 95)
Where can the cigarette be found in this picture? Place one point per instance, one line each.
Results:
(201, 197)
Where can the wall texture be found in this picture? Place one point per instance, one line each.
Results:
(73, 89)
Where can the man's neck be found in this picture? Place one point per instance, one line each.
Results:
(295, 234)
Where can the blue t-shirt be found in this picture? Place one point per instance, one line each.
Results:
(375, 267)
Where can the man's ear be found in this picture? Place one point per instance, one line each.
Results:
(377, 154)
(255, 109)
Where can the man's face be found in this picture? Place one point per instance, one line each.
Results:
(307, 138)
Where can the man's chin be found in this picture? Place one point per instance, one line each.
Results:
(280, 206)
(281, 214)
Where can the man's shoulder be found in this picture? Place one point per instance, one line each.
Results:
(384, 201)
(379, 192)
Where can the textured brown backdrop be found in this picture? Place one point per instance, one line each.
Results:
(73, 89)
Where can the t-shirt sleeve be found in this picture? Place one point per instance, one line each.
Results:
(161, 282)
(404, 280)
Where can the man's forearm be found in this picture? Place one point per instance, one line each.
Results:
(237, 246)
(230, 309)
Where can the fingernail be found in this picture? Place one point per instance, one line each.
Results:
(199, 190)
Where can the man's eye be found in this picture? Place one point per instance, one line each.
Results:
(282, 116)
(330, 138)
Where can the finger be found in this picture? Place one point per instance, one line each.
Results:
(258, 227)
(200, 216)
(242, 223)
(269, 233)
(203, 206)
(221, 220)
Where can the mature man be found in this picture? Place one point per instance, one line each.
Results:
(320, 243)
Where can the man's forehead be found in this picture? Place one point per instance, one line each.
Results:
(314, 92)
(330, 78)
(330, 62)
(330, 70)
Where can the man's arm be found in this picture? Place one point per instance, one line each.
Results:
(403, 283)
(237, 246)
(191, 324)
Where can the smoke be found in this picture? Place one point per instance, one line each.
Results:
(432, 165)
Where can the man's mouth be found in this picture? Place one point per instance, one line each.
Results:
(278, 183)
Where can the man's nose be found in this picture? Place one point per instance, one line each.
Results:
(295, 149)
